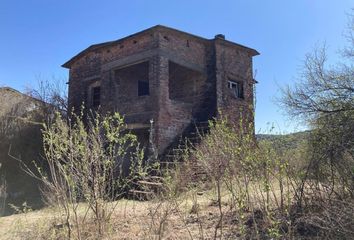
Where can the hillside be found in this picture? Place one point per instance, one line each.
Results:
(286, 141)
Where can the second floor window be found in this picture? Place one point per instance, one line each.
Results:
(236, 88)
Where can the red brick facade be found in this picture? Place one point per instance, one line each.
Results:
(165, 75)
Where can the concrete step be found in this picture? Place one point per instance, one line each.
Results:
(170, 164)
(177, 150)
(153, 184)
(155, 178)
(133, 191)
(141, 195)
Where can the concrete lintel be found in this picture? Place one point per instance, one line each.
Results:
(184, 63)
(95, 77)
(129, 60)
(236, 76)
(146, 55)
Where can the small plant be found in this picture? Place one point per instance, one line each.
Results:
(195, 209)
(23, 209)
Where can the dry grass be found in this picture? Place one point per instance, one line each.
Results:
(193, 215)
(131, 220)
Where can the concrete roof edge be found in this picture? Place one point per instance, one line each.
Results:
(104, 44)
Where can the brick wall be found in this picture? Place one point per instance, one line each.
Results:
(187, 78)
(234, 64)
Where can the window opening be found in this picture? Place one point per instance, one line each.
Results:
(96, 95)
(236, 88)
(143, 88)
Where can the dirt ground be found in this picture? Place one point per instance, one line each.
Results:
(132, 220)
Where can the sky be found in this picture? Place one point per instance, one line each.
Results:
(38, 36)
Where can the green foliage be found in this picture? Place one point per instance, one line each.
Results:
(247, 173)
(92, 161)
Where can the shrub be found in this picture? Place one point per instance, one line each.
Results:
(92, 161)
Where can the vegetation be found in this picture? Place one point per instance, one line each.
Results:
(20, 124)
(21, 120)
(92, 163)
(325, 99)
(228, 186)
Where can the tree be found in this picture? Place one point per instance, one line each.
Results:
(325, 98)
(321, 91)
(52, 93)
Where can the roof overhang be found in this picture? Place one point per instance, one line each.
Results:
(94, 47)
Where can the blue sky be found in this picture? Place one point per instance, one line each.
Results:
(37, 36)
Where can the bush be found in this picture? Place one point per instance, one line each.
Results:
(92, 161)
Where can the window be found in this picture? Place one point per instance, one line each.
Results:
(236, 88)
(143, 88)
(131, 81)
(96, 95)
(184, 84)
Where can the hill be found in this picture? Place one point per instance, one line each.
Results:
(286, 141)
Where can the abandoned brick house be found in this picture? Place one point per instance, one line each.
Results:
(162, 74)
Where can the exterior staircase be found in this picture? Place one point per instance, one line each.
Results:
(177, 152)
(174, 156)
(146, 188)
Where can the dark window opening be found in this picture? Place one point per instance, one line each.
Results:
(236, 89)
(131, 81)
(185, 84)
(143, 88)
(96, 95)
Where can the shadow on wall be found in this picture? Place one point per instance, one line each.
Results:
(20, 132)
